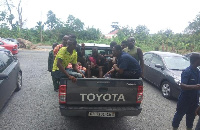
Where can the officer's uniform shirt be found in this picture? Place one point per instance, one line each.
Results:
(188, 99)
(190, 76)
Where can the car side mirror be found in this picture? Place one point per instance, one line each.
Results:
(159, 66)
(3, 76)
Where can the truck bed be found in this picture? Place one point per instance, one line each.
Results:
(101, 95)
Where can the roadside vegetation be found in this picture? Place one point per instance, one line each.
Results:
(54, 29)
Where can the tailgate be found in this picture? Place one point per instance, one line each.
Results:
(102, 91)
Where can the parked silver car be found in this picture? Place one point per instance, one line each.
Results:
(163, 69)
(10, 76)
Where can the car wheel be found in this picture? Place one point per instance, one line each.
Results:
(19, 81)
(166, 89)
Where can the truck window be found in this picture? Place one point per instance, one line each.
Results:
(88, 51)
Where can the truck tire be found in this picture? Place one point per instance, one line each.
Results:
(19, 81)
(166, 89)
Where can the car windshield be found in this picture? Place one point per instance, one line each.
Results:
(12, 40)
(176, 62)
(8, 42)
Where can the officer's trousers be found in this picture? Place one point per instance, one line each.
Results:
(188, 107)
(198, 125)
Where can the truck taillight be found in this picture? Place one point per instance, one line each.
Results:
(62, 94)
(139, 94)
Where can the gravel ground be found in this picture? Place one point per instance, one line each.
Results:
(36, 106)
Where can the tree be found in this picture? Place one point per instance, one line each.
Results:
(128, 31)
(193, 30)
(19, 11)
(7, 15)
(194, 27)
(141, 33)
(90, 34)
(40, 28)
(3, 15)
(75, 24)
(10, 16)
(168, 33)
(51, 20)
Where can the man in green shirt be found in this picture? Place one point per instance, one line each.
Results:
(65, 56)
(135, 52)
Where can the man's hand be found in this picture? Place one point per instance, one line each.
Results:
(72, 78)
(115, 66)
(83, 75)
(120, 71)
(197, 111)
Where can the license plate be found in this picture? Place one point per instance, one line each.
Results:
(102, 114)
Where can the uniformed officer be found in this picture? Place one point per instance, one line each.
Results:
(189, 97)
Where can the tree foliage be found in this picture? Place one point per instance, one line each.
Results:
(53, 30)
(52, 21)
(194, 27)
(75, 24)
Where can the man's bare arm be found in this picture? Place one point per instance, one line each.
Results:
(112, 70)
(121, 71)
(190, 87)
(197, 111)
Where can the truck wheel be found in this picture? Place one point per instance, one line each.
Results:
(19, 81)
(166, 89)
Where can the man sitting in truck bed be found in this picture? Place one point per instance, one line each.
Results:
(127, 67)
(95, 64)
(65, 56)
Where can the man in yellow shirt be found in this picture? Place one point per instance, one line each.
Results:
(65, 56)
(135, 52)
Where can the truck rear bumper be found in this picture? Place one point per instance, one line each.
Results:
(83, 111)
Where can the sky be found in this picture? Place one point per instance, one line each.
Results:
(155, 14)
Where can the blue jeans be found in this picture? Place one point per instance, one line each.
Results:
(73, 73)
(59, 74)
